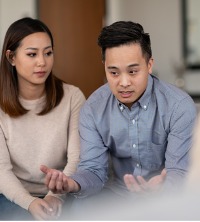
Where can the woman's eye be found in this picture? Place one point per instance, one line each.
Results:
(31, 54)
(49, 53)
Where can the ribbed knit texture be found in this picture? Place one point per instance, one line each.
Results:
(31, 140)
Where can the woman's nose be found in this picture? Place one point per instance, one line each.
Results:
(41, 61)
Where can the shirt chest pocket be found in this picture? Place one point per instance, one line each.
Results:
(157, 138)
(156, 148)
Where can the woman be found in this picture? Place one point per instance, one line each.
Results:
(38, 123)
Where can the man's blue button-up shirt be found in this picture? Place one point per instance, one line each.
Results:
(155, 133)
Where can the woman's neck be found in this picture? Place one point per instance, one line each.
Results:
(32, 93)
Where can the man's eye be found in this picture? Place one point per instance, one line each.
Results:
(114, 73)
(133, 71)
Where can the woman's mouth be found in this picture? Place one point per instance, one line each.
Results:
(40, 73)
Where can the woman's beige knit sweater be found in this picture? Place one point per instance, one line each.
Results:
(32, 140)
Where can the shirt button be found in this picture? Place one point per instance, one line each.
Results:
(121, 108)
(134, 145)
(138, 165)
(133, 121)
(145, 107)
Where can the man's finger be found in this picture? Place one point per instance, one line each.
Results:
(131, 183)
(164, 173)
(143, 182)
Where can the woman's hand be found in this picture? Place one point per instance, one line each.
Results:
(56, 205)
(40, 209)
(58, 182)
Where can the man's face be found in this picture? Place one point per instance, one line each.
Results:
(127, 72)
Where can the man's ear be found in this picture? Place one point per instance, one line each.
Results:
(9, 56)
(150, 65)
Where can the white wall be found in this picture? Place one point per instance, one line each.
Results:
(11, 10)
(160, 18)
(163, 21)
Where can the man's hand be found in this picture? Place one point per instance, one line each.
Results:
(58, 182)
(141, 185)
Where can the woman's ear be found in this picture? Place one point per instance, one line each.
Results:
(9, 56)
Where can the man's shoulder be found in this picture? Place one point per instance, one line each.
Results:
(100, 95)
(169, 91)
(172, 99)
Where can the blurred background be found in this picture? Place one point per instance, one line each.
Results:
(174, 27)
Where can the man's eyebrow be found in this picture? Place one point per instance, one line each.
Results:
(129, 66)
(133, 65)
(112, 67)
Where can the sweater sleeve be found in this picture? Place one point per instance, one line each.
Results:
(73, 146)
(10, 186)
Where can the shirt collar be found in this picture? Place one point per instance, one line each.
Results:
(145, 99)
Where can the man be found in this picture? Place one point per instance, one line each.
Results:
(142, 123)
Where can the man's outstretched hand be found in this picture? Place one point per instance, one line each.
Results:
(141, 185)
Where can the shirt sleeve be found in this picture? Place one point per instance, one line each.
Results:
(179, 142)
(10, 186)
(93, 166)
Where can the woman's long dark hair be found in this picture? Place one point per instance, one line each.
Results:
(9, 92)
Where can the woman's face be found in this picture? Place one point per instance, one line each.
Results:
(33, 59)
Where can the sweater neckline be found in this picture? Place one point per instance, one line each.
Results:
(31, 103)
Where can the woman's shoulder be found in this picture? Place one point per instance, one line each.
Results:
(69, 88)
(72, 90)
